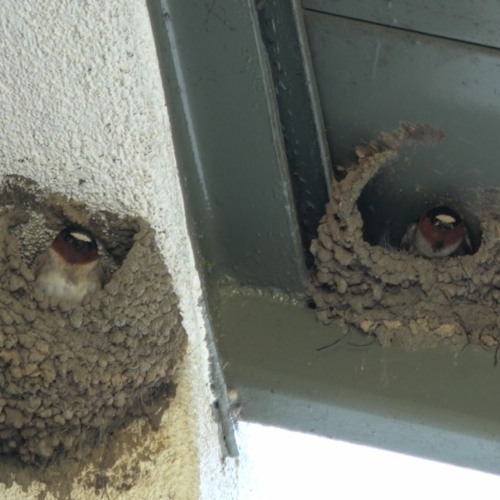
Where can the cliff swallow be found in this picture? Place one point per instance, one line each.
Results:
(440, 232)
(71, 267)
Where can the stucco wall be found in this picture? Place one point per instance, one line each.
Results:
(82, 112)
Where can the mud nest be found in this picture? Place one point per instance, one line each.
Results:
(402, 299)
(69, 373)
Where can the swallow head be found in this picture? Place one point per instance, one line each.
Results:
(440, 232)
(71, 268)
(76, 245)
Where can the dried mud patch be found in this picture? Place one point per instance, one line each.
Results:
(114, 463)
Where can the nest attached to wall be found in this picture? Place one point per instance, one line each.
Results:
(402, 299)
(70, 372)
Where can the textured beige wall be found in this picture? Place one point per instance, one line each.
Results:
(82, 112)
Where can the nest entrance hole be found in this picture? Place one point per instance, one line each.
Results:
(399, 194)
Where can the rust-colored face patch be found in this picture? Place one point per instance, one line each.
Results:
(76, 245)
(441, 234)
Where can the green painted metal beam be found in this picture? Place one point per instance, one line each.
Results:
(438, 403)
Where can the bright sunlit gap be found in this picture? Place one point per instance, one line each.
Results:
(282, 464)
